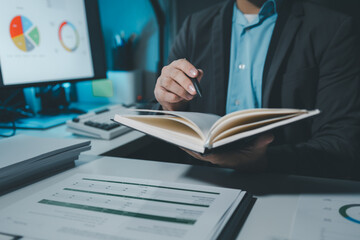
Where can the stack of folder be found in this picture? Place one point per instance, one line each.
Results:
(25, 159)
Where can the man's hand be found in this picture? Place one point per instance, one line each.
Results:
(174, 88)
(250, 159)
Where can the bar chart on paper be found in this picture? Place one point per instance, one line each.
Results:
(327, 218)
(104, 207)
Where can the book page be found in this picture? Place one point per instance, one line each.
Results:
(90, 206)
(249, 116)
(264, 128)
(169, 123)
(246, 127)
(203, 121)
(166, 129)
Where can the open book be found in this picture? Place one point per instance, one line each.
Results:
(201, 132)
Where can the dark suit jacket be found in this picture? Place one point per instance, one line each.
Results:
(313, 62)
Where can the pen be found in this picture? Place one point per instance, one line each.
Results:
(197, 86)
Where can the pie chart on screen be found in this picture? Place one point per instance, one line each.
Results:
(24, 34)
(69, 36)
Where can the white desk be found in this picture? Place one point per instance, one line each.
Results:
(271, 217)
(98, 146)
(262, 213)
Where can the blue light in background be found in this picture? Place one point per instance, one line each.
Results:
(128, 16)
(131, 16)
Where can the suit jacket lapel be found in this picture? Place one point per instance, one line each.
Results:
(221, 36)
(288, 23)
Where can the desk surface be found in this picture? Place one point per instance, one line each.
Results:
(277, 195)
(98, 146)
(271, 217)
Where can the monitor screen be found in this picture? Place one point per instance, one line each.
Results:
(47, 41)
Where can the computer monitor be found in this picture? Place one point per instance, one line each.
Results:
(50, 41)
(44, 43)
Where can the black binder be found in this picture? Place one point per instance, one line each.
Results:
(237, 220)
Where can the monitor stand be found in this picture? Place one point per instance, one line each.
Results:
(50, 106)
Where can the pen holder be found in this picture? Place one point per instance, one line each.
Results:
(127, 85)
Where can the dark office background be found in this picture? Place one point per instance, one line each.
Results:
(138, 17)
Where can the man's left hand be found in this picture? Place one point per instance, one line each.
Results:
(249, 159)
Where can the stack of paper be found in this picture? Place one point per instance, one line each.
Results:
(26, 158)
(104, 207)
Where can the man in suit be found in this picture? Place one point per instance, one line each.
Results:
(273, 54)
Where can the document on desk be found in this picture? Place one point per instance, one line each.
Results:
(104, 207)
(327, 217)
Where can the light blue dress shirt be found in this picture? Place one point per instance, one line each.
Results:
(249, 46)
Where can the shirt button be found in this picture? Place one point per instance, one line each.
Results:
(237, 102)
(242, 66)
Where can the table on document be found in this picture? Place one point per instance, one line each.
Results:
(87, 206)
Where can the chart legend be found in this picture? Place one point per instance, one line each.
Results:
(24, 33)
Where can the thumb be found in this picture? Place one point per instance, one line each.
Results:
(200, 75)
(264, 140)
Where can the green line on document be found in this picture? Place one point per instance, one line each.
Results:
(118, 212)
(148, 185)
(139, 198)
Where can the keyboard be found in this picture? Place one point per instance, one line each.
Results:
(98, 124)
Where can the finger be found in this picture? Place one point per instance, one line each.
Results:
(183, 80)
(185, 66)
(263, 140)
(193, 154)
(178, 76)
(173, 87)
(164, 96)
(201, 74)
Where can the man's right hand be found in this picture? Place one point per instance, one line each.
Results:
(174, 88)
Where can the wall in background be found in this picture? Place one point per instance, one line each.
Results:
(132, 17)
(129, 17)
(137, 16)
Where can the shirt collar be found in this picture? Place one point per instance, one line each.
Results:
(268, 9)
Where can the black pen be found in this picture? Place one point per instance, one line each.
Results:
(197, 86)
